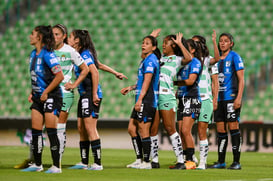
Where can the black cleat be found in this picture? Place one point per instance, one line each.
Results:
(178, 166)
(155, 165)
(218, 165)
(235, 166)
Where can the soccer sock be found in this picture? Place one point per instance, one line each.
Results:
(190, 152)
(222, 146)
(236, 140)
(96, 150)
(137, 143)
(37, 146)
(154, 148)
(31, 157)
(146, 144)
(84, 149)
(62, 136)
(204, 149)
(177, 147)
(54, 146)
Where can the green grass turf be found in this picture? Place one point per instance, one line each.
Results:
(255, 166)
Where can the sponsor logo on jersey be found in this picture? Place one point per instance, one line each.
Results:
(241, 65)
(150, 69)
(53, 60)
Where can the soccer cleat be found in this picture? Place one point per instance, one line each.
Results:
(218, 165)
(79, 166)
(145, 165)
(178, 166)
(95, 167)
(26, 163)
(53, 169)
(235, 166)
(190, 165)
(201, 166)
(33, 168)
(134, 164)
(155, 165)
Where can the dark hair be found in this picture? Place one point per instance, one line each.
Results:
(63, 29)
(203, 45)
(85, 43)
(177, 51)
(230, 37)
(47, 36)
(154, 43)
(197, 53)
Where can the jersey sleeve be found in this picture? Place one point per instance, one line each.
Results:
(238, 62)
(195, 67)
(149, 66)
(214, 69)
(52, 61)
(88, 58)
(76, 58)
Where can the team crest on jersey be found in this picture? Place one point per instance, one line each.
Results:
(228, 63)
(39, 61)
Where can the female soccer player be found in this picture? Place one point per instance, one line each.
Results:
(175, 56)
(231, 81)
(90, 99)
(208, 86)
(46, 97)
(146, 97)
(189, 100)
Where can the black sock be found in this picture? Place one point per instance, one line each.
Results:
(37, 146)
(137, 143)
(190, 152)
(236, 144)
(84, 149)
(222, 146)
(185, 153)
(96, 149)
(146, 144)
(54, 146)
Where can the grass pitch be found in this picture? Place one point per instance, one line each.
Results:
(255, 166)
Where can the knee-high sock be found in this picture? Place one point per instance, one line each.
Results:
(96, 150)
(236, 140)
(61, 127)
(54, 146)
(146, 144)
(177, 147)
(154, 148)
(84, 150)
(37, 146)
(137, 144)
(222, 146)
(204, 150)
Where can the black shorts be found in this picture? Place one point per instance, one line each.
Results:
(87, 108)
(188, 107)
(52, 104)
(146, 114)
(225, 112)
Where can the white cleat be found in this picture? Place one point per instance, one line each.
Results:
(145, 165)
(135, 164)
(95, 167)
(54, 169)
(201, 166)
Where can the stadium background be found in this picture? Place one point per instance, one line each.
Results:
(117, 28)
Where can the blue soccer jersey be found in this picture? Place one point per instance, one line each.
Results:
(228, 80)
(43, 68)
(86, 85)
(149, 65)
(194, 67)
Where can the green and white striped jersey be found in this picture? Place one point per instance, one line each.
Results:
(68, 57)
(170, 65)
(205, 79)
